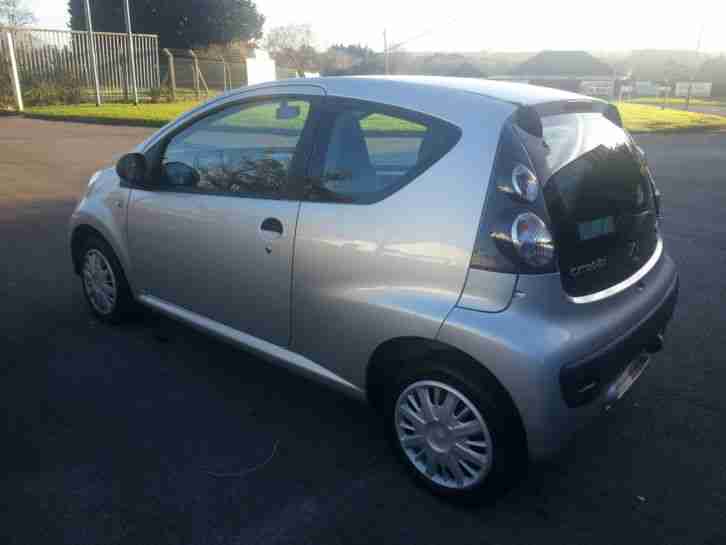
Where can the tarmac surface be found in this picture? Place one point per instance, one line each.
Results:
(113, 435)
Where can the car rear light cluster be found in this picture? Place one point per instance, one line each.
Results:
(643, 159)
(513, 234)
(532, 240)
(525, 183)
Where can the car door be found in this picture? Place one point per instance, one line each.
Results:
(214, 235)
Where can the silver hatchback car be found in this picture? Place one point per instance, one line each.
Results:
(479, 260)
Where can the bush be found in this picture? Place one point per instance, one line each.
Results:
(156, 95)
(7, 96)
(58, 87)
(55, 86)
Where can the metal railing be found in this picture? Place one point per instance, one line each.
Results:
(190, 74)
(43, 67)
(59, 64)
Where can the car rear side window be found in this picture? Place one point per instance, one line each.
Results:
(369, 151)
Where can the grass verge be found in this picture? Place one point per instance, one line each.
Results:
(157, 115)
(147, 114)
(644, 118)
(636, 117)
(678, 101)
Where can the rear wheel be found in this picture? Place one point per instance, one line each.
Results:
(104, 283)
(456, 432)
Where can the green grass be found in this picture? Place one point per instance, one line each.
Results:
(156, 115)
(380, 122)
(678, 101)
(153, 115)
(264, 116)
(644, 118)
(636, 117)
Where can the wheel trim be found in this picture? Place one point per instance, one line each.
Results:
(99, 282)
(443, 435)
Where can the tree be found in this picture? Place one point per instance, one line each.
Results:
(341, 60)
(292, 46)
(714, 70)
(181, 24)
(449, 64)
(661, 65)
(335, 62)
(12, 13)
(674, 71)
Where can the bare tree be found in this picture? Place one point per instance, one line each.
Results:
(292, 46)
(12, 13)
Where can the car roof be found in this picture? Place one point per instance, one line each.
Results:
(521, 94)
(456, 100)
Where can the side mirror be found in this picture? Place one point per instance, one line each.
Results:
(132, 168)
(181, 175)
(285, 111)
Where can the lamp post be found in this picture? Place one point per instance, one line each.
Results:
(690, 81)
(132, 56)
(92, 47)
(385, 52)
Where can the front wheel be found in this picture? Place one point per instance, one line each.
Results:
(104, 283)
(456, 432)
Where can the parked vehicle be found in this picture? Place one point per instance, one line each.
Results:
(479, 260)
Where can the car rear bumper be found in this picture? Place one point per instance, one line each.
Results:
(584, 381)
(563, 362)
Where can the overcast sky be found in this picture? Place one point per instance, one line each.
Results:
(476, 25)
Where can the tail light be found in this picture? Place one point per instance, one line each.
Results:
(532, 240)
(514, 235)
(524, 183)
(642, 157)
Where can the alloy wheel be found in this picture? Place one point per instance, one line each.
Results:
(99, 282)
(443, 434)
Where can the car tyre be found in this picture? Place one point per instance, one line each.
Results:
(104, 283)
(475, 468)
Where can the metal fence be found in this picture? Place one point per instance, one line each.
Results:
(57, 65)
(42, 67)
(189, 74)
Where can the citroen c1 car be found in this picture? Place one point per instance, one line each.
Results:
(481, 261)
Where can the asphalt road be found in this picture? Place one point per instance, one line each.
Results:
(111, 433)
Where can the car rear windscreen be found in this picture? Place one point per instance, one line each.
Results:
(599, 198)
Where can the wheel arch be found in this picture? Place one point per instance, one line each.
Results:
(84, 230)
(391, 357)
(79, 235)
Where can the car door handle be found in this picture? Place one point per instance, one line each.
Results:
(272, 226)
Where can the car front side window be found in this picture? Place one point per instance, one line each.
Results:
(245, 150)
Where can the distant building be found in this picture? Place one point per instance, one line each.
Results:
(647, 89)
(260, 68)
(698, 89)
(575, 71)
